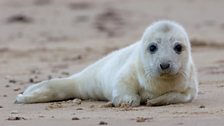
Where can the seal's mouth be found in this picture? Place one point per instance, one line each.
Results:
(168, 75)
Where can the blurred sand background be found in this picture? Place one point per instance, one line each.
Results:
(42, 39)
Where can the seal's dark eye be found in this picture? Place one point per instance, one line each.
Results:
(153, 48)
(178, 48)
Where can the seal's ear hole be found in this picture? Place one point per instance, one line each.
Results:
(153, 48)
(178, 48)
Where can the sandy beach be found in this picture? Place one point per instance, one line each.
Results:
(44, 39)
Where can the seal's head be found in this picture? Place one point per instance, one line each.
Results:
(166, 50)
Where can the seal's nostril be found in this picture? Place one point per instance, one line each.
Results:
(164, 66)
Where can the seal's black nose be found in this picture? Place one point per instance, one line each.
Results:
(164, 66)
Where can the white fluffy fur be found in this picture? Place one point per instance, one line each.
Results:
(130, 75)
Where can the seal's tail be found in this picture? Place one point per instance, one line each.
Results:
(50, 90)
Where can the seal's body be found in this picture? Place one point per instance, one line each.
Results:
(158, 69)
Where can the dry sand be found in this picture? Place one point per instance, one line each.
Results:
(41, 39)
